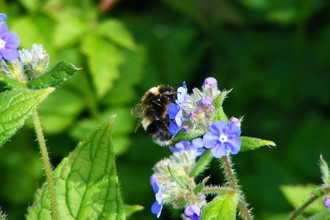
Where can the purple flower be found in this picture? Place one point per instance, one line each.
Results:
(211, 82)
(205, 102)
(182, 93)
(327, 202)
(192, 211)
(9, 43)
(3, 16)
(157, 207)
(223, 138)
(236, 121)
(195, 144)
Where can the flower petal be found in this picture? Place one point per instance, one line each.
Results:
(172, 110)
(173, 128)
(217, 127)
(219, 151)
(3, 28)
(234, 145)
(210, 139)
(156, 208)
(9, 54)
(197, 143)
(192, 211)
(11, 39)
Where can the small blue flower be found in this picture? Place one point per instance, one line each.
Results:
(210, 82)
(175, 110)
(196, 144)
(9, 43)
(223, 138)
(2, 17)
(192, 211)
(157, 207)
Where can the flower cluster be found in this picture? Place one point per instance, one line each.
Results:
(197, 112)
(173, 185)
(9, 41)
(200, 111)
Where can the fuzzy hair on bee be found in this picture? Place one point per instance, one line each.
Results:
(152, 111)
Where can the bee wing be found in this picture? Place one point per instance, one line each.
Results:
(138, 110)
(138, 125)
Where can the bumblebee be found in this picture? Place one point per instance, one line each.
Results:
(152, 111)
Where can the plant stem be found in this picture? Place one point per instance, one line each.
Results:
(230, 176)
(297, 213)
(45, 158)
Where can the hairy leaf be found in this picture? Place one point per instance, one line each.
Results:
(86, 182)
(61, 72)
(221, 208)
(15, 107)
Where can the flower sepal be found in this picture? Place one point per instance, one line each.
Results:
(250, 143)
(188, 136)
(201, 185)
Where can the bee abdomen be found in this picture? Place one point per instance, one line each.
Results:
(159, 130)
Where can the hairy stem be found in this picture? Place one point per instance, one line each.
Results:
(45, 158)
(230, 176)
(300, 210)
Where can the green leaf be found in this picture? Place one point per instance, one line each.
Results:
(221, 208)
(70, 28)
(201, 185)
(298, 194)
(103, 62)
(219, 113)
(325, 215)
(202, 163)
(86, 182)
(324, 171)
(131, 209)
(11, 83)
(15, 107)
(249, 143)
(61, 72)
(117, 32)
(176, 179)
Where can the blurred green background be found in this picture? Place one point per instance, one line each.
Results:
(274, 54)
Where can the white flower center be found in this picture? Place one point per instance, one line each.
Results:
(2, 44)
(223, 138)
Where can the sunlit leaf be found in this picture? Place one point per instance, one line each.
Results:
(61, 72)
(298, 194)
(86, 182)
(250, 143)
(221, 208)
(116, 31)
(103, 62)
(15, 107)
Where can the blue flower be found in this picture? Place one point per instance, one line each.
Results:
(192, 211)
(9, 42)
(196, 144)
(175, 110)
(223, 139)
(157, 207)
(2, 17)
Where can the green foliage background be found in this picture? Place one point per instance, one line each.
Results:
(275, 54)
